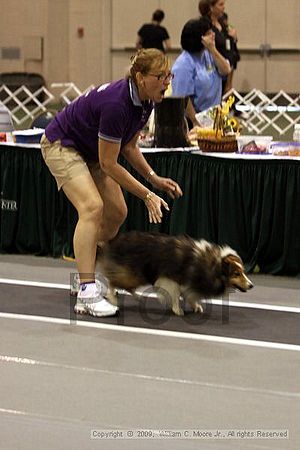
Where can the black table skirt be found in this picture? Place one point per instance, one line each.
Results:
(251, 205)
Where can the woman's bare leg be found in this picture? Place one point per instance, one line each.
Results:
(83, 194)
(114, 207)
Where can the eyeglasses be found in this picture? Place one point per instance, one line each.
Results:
(162, 76)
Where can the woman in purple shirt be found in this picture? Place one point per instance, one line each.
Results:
(81, 147)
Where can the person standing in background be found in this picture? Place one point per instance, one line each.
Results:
(232, 37)
(199, 69)
(153, 35)
(214, 10)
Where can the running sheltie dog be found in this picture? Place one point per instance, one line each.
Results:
(178, 266)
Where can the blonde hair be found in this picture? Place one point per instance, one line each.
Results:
(146, 60)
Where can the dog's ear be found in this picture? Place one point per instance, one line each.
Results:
(227, 263)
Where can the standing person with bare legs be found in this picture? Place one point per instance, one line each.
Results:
(81, 147)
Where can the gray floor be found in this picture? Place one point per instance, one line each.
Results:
(59, 381)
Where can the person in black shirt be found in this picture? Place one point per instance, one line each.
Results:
(153, 35)
(214, 10)
(232, 36)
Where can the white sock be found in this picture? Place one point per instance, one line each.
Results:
(88, 290)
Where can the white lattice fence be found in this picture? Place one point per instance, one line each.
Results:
(259, 111)
(24, 104)
(70, 91)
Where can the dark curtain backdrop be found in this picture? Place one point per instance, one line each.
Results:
(251, 205)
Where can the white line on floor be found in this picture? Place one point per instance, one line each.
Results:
(161, 333)
(34, 283)
(58, 419)
(217, 302)
(279, 308)
(34, 362)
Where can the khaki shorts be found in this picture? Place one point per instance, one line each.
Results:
(66, 163)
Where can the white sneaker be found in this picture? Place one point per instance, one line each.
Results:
(99, 308)
(94, 304)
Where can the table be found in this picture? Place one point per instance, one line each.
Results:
(251, 204)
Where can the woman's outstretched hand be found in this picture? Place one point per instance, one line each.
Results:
(166, 185)
(154, 204)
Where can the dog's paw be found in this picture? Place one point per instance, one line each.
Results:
(178, 311)
(198, 308)
(112, 297)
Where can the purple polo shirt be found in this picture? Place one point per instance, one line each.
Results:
(112, 112)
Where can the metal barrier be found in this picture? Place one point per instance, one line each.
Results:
(258, 110)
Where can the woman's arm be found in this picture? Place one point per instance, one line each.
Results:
(167, 44)
(191, 112)
(138, 42)
(134, 156)
(221, 63)
(108, 159)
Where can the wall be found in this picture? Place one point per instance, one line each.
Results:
(66, 55)
(258, 22)
(56, 42)
(272, 22)
(22, 28)
(47, 34)
(89, 54)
